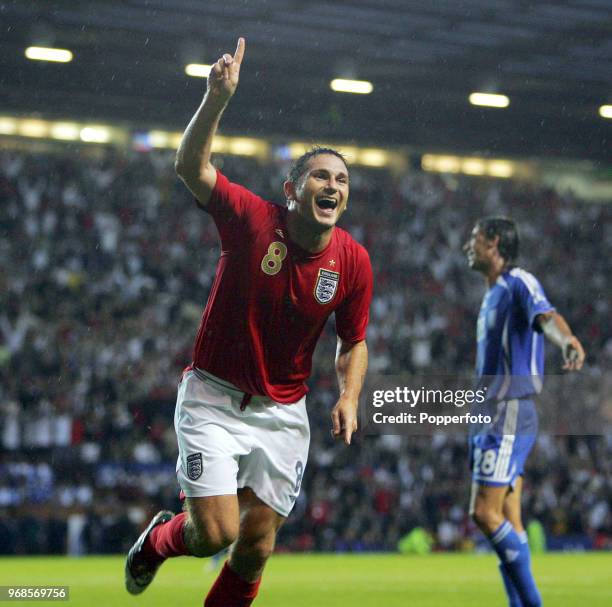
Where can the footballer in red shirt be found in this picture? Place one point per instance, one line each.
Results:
(240, 417)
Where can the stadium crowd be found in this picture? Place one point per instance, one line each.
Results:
(106, 265)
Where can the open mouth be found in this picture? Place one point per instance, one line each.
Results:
(327, 203)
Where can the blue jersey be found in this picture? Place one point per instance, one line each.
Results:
(510, 353)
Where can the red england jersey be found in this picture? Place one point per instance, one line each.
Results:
(270, 298)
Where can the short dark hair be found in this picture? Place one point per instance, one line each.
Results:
(506, 229)
(298, 168)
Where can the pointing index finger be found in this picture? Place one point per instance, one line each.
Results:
(239, 54)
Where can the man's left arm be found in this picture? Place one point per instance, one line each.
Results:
(556, 329)
(351, 367)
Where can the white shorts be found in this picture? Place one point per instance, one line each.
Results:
(223, 449)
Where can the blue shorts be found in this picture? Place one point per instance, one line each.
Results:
(498, 450)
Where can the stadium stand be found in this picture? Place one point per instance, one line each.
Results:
(106, 265)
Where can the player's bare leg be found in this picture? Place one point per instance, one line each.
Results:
(239, 580)
(512, 513)
(496, 511)
(512, 506)
(209, 525)
(486, 507)
(212, 524)
(257, 537)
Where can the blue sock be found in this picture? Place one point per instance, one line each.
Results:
(513, 552)
(514, 600)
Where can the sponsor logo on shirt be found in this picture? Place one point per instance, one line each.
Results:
(327, 285)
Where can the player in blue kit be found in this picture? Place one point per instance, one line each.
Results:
(510, 365)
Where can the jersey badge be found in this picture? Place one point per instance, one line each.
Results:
(194, 466)
(327, 285)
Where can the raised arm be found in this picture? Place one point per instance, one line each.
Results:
(555, 327)
(351, 367)
(193, 155)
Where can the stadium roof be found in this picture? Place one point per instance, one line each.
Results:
(552, 59)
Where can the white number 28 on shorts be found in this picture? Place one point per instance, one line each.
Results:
(484, 462)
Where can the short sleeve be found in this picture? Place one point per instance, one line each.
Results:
(530, 296)
(353, 314)
(229, 205)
